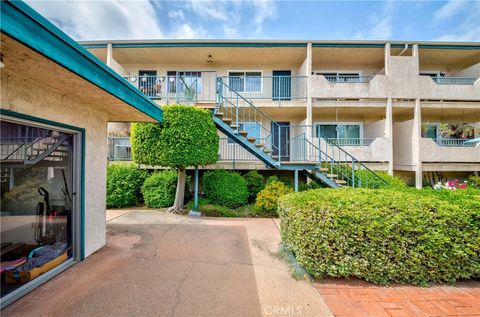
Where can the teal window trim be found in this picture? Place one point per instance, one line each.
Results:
(81, 131)
(28, 27)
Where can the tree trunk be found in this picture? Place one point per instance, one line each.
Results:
(180, 194)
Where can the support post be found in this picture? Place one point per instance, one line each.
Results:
(387, 58)
(194, 212)
(296, 180)
(389, 133)
(416, 139)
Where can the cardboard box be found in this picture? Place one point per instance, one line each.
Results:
(14, 277)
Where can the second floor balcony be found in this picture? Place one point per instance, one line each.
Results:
(192, 87)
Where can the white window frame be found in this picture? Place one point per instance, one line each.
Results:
(245, 71)
(315, 124)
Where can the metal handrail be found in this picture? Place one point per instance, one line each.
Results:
(454, 80)
(352, 157)
(454, 143)
(220, 87)
(268, 132)
(344, 79)
(277, 88)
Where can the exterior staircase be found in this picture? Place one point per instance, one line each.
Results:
(22, 152)
(323, 161)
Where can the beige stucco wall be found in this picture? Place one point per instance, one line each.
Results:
(403, 81)
(472, 71)
(432, 152)
(29, 97)
(402, 145)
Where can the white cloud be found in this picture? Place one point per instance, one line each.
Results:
(230, 32)
(469, 29)
(264, 10)
(209, 10)
(86, 20)
(380, 25)
(449, 9)
(153, 19)
(176, 14)
(187, 31)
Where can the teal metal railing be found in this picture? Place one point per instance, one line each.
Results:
(247, 121)
(275, 88)
(178, 88)
(454, 80)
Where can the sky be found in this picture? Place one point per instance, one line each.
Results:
(453, 20)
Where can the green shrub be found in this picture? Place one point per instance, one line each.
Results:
(474, 180)
(145, 140)
(224, 188)
(267, 198)
(255, 183)
(159, 189)
(384, 235)
(124, 183)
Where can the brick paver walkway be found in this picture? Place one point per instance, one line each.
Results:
(357, 298)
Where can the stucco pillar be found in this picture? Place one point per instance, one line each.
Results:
(109, 54)
(415, 50)
(387, 58)
(309, 115)
(416, 138)
(389, 132)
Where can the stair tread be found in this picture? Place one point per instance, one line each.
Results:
(340, 181)
(331, 175)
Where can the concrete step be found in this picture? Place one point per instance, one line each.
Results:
(259, 145)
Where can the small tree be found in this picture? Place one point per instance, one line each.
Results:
(186, 137)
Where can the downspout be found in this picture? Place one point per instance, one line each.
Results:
(403, 51)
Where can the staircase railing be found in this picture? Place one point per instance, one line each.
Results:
(244, 116)
(341, 162)
(337, 164)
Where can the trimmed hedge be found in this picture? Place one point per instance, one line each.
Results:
(186, 137)
(160, 188)
(123, 185)
(255, 183)
(224, 188)
(384, 235)
(267, 199)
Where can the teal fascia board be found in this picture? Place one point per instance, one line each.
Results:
(5, 112)
(220, 44)
(239, 44)
(25, 25)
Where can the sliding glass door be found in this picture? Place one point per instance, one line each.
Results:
(39, 206)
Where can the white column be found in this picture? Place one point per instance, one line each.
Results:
(389, 132)
(387, 58)
(109, 54)
(415, 50)
(309, 117)
(416, 138)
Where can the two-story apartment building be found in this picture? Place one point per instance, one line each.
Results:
(408, 108)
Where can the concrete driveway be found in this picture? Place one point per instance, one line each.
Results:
(156, 264)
